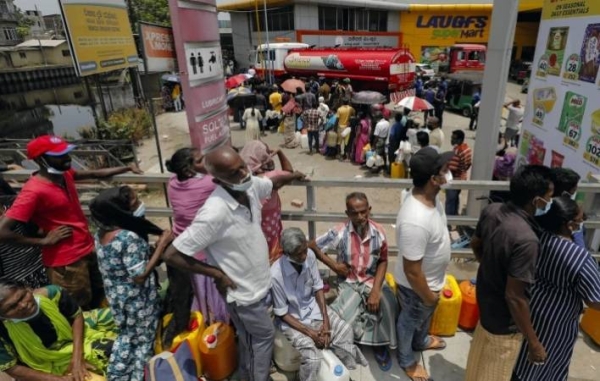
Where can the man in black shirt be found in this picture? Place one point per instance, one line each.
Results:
(507, 245)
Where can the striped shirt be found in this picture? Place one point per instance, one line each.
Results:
(362, 254)
(461, 162)
(566, 276)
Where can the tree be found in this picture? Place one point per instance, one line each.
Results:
(24, 24)
(152, 11)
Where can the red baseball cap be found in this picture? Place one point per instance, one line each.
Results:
(48, 145)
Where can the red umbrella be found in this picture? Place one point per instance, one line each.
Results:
(414, 104)
(236, 80)
(290, 85)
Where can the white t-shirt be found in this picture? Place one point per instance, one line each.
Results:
(422, 234)
(231, 236)
(515, 116)
(382, 129)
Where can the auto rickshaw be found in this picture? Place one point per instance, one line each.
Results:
(461, 87)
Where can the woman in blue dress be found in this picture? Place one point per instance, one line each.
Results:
(127, 270)
(567, 277)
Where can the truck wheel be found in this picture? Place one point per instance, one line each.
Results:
(466, 112)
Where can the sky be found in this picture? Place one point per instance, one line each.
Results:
(47, 7)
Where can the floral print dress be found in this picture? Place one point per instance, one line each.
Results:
(135, 307)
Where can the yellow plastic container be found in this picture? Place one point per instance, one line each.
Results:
(397, 171)
(590, 324)
(218, 351)
(389, 278)
(193, 335)
(445, 317)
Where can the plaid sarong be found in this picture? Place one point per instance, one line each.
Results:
(369, 329)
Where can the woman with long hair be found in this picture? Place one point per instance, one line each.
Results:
(127, 271)
(363, 134)
(567, 277)
(188, 190)
(252, 118)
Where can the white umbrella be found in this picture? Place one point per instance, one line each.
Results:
(414, 104)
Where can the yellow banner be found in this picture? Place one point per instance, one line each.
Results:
(100, 35)
(562, 9)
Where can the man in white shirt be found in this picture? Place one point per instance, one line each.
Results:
(424, 253)
(515, 117)
(382, 130)
(436, 135)
(228, 229)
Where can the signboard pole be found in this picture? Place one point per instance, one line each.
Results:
(268, 56)
(101, 96)
(504, 18)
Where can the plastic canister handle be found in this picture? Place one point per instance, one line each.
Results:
(338, 370)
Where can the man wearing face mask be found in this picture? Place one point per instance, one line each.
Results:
(49, 199)
(565, 182)
(506, 243)
(365, 301)
(228, 229)
(423, 255)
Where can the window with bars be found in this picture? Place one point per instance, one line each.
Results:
(278, 19)
(352, 19)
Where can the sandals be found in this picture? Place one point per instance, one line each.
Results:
(435, 343)
(417, 373)
(383, 358)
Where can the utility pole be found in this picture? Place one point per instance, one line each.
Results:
(268, 55)
(504, 22)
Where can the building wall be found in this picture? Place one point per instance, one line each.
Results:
(33, 57)
(8, 24)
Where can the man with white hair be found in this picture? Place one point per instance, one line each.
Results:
(299, 304)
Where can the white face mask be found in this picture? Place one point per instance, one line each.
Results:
(546, 209)
(571, 196)
(243, 185)
(37, 311)
(140, 211)
(448, 176)
(579, 229)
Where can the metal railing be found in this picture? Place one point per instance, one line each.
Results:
(311, 214)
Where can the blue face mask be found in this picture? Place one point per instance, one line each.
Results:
(140, 211)
(579, 228)
(546, 209)
(37, 311)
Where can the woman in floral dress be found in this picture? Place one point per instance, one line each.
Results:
(129, 282)
(259, 158)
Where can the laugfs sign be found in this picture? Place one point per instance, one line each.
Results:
(197, 42)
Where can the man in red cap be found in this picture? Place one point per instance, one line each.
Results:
(49, 199)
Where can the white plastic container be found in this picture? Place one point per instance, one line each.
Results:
(304, 141)
(332, 368)
(286, 357)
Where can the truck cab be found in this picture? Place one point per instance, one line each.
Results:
(268, 59)
(465, 57)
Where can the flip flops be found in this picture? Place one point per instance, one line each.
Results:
(383, 358)
(435, 343)
(417, 373)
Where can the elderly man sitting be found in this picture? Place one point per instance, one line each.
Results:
(299, 302)
(365, 301)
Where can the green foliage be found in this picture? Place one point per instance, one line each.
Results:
(126, 124)
(152, 11)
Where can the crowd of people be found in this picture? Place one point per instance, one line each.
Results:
(72, 302)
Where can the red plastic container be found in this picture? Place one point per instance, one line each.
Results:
(469, 311)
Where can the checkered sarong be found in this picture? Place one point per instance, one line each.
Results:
(341, 344)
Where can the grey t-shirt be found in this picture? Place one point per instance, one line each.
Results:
(510, 247)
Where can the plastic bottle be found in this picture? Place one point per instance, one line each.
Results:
(590, 324)
(445, 317)
(332, 368)
(469, 311)
(286, 357)
(218, 351)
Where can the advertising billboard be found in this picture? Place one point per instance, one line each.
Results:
(158, 47)
(201, 71)
(561, 125)
(99, 35)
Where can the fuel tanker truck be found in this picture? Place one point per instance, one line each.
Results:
(390, 71)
